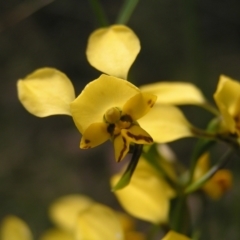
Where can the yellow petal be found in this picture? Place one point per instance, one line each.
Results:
(13, 228)
(56, 234)
(121, 147)
(219, 184)
(46, 92)
(171, 235)
(165, 123)
(94, 135)
(65, 210)
(227, 97)
(228, 122)
(99, 96)
(175, 93)
(136, 134)
(138, 105)
(227, 93)
(147, 196)
(113, 50)
(97, 223)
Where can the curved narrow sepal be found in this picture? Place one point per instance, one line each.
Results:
(126, 177)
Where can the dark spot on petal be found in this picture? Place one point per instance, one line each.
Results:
(87, 141)
(110, 129)
(140, 137)
(126, 118)
(149, 102)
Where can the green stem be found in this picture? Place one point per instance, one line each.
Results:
(196, 185)
(126, 11)
(202, 145)
(99, 13)
(210, 108)
(180, 218)
(203, 134)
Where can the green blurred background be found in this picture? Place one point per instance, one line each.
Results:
(40, 159)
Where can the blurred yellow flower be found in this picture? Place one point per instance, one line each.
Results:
(148, 195)
(107, 108)
(13, 228)
(218, 184)
(227, 97)
(171, 235)
(64, 213)
(112, 50)
(78, 217)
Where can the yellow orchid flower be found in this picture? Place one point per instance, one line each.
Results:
(227, 97)
(152, 192)
(218, 184)
(13, 228)
(107, 108)
(171, 235)
(112, 50)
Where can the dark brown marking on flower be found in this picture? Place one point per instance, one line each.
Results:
(87, 141)
(110, 129)
(126, 118)
(149, 102)
(140, 137)
(123, 149)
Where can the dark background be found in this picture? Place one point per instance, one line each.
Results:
(40, 160)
